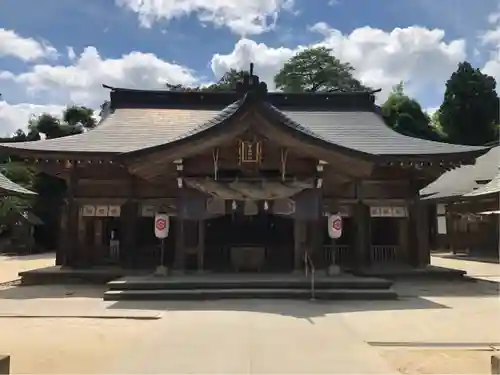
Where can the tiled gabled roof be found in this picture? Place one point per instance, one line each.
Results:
(131, 129)
(364, 131)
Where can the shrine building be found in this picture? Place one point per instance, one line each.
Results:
(248, 179)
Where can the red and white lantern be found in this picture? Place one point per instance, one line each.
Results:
(162, 225)
(335, 226)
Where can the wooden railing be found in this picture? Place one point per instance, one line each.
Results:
(385, 253)
(338, 254)
(341, 255)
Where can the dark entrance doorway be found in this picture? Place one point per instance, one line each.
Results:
(237, 242)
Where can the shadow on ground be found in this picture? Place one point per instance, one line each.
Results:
(413, 297)
(294, 308)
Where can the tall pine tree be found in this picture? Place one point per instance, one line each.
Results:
(470, 110)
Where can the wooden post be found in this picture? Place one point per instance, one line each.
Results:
(419, 252)
(61, 243)
(298, 234)
(179, 244)
(419, 249)
(319, 230)
(98, 246)
(81, 236)
(362, 258)
(70, 243)
(403, 240)
(128, 226)
(201, 244)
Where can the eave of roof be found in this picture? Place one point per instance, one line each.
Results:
(464, 181)
(492, 187)
(10, 188)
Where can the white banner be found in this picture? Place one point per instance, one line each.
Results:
(162, 225)
(335, 226)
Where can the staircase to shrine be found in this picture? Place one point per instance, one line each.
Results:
(246, 286)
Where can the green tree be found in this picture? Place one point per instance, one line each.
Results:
(79, 116)
(470, 110)
(405, 115)
(226, 83)
(317, 70)
(75, 120)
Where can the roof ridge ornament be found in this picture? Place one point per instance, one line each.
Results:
(251, 85)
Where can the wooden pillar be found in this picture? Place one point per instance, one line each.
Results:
(81, 236)
(419, 249)
(61, 243)
(299, 228)
(201, 245)
(99, 248)
(179, 244)
(128, 233)
(129, 226)
(361, 253)
(404, 242)
(318, 255)
(70, 229)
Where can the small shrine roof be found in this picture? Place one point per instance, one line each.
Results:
(8, 188)
(466, 180)
(492, 187)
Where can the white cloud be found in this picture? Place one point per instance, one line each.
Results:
(16, 116)
(81, 82)
(491, 39)
(71, 53)
(418, 56)
(27, 49)
(243, 17)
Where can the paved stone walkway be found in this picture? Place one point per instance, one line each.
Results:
(437, 327)
(480, 270)
(252, 337)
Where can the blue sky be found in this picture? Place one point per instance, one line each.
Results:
(135, 42)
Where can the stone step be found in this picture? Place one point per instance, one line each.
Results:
(281, 293)
(186, 283)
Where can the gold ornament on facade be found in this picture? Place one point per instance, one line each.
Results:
(250, 152)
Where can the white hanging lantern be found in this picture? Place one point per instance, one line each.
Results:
(162, 225)
(335, 226)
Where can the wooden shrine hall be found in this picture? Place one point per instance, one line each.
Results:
(248, 179)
